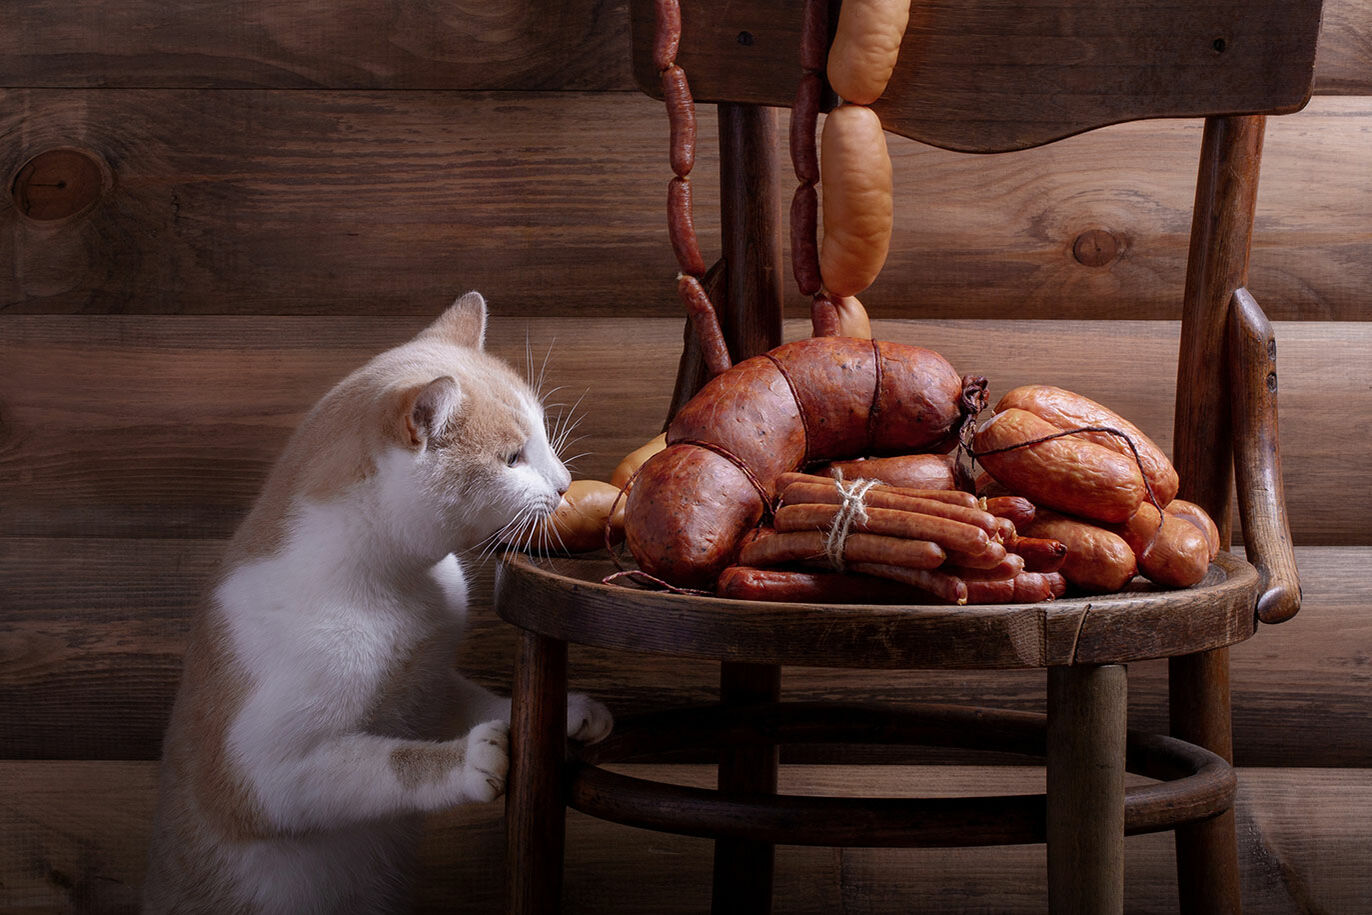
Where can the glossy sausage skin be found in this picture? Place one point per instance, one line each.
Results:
(681, 119)
(809, 401)
(866, 44)
(1067, 410)
(856, 191)
(804, 247)
(748, 583)
(1193, 513)
(1170, 551)
(1097, 560)
(1068, 473)
(681, 228)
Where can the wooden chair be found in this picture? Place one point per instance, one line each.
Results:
(972, 76)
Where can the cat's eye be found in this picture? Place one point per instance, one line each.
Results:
(514, 457)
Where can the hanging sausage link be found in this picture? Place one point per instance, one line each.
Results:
(681, 115)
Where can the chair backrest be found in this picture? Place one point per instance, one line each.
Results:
(993, 76)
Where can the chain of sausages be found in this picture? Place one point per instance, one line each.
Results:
(814, 43)
(805, 161)
(856, 183)
(676, 92)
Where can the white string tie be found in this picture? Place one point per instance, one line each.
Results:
(851, 509)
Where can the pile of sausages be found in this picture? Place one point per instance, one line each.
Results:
(1108, 493)
(753, 491)
(902, 544)
(1068, 500)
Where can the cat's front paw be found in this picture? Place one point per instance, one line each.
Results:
(486, 762)
(587, 720)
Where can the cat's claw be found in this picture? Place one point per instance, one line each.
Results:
(487, 761)
(588, 721)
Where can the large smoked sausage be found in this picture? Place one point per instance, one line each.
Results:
(805, 402)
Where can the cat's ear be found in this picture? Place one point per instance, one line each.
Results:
(426, 409)
(464, 323)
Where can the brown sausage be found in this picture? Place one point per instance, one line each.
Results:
(805, 402)
(747, 583)
(1097, 560)
(1067, 410)
(989, 558)
(706, 323)
(578, 524)
(911, 471)
(804, 118)
(1015, 508)
(823, 316)
(1009, 567)
(681, 228)
(946, 588)
(1067, 473)
(851, 472)
(681, 119)
(852, 319)
(804, 248)
(1040, 554)
(814, 35)
(1190, 511)
(1032, 587)
(1023, 588)
(948, 534)
(667, 38)
(780, 547)
(877, 497)
(1170, 551)
(624, 471)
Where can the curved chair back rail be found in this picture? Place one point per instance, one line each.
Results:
(565, 599)
(978, 77)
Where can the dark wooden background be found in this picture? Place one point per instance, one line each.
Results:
(287, 188)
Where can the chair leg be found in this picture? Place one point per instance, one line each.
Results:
(743, 868)
(1207, 852)
(1087, 719)
(535, 807)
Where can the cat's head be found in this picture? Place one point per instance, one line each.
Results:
(443, 443)
(469, 445)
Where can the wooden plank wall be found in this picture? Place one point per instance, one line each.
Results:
(285, 189)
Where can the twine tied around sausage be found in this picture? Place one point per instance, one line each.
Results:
(1108, 430)
(644, 580)
(852, 509)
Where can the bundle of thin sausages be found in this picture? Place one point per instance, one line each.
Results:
(942, 544)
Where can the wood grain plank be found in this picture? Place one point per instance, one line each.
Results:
(1343, 59)
(384, 44)
(147, 427)
(373, 44)
(93, 631)
(371, 203)
(73, 837)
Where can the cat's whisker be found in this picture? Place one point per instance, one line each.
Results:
(543, 369)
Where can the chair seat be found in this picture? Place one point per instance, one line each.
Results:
(566, 599)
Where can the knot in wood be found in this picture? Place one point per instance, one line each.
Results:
(1095, 248)
(58, 183)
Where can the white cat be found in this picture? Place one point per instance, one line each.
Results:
(320, 713)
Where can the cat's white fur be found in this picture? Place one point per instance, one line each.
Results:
(320, 713)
